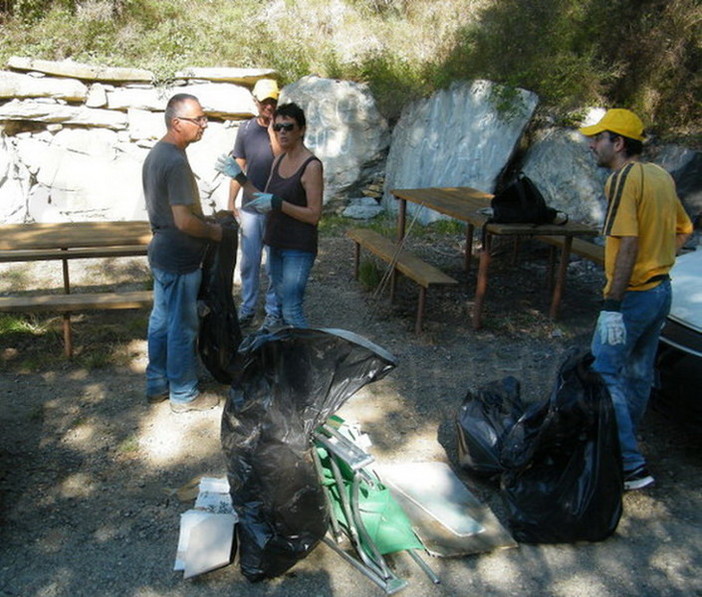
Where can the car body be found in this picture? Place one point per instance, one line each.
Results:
(678, 394)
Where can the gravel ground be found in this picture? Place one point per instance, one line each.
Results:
(89, 470)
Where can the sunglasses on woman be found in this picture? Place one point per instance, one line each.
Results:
(287, 126)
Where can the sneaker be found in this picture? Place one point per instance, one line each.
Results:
(245, 319)
(156, 398)
(638, 479)
(204, 401)
(271, 323)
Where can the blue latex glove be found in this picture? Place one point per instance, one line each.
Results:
(611, 328)
(265, 202)
(228, 166)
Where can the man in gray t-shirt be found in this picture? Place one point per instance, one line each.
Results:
(175, 255)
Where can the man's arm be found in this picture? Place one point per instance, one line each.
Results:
(234, 187)
(680, 240)
(187, 222)
(623, 267)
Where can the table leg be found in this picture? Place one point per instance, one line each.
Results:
(481, 285)
(469, 247)
(67, 331)
(401, 219)
(560, 279)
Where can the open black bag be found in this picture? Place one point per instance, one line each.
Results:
(521, 202)
(220, 334)
(563, 479)
(288, 383)
(483, 420)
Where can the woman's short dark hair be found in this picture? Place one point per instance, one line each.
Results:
(292, 110)
(632, 147)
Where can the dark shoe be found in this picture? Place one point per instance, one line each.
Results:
(638, 479)
(204, 401)
(246, 319)
(156, 398)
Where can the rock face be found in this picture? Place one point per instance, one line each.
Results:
(73, 138)
(562, 166)
(344, 130)
(457, 137)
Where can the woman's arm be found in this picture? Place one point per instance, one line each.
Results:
(313, 183)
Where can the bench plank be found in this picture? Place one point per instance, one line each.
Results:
(406, 263)
(76, 253)
(580, 247)
(68, 303)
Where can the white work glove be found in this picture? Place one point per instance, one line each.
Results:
(228, 166)
(265, 202)
(610, 327)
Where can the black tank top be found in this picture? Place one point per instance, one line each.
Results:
(282, 231)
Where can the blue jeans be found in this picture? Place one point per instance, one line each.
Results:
(172, 336)
(252, 227)
(290, 270)
(627, 369)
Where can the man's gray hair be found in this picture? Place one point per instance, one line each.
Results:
(173, 105)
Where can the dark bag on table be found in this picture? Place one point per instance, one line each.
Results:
(521, 202)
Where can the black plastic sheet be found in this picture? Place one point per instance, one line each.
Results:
(563, 479)
(220, 335)
(289, 382)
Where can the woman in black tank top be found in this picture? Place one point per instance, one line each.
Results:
(293, 201)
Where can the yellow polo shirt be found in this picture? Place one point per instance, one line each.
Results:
(643, 203)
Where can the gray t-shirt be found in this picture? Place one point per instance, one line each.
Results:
(168, 180)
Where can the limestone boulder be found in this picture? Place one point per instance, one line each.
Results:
(79, 70)
(17, 85)
(240, 76)
(345, 131)
(560, 163)
(50, 111)
(14, 183)
(83, 175)
(460, 136)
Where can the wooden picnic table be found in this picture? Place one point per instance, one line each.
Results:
(472, 207)
(73, 240)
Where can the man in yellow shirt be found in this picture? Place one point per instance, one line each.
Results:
(644, 227)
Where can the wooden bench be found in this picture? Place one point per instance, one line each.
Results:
(72, 303)
(68, 241)
(581, 247)
(409, 265)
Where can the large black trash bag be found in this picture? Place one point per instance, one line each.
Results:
(289, 382)
(563, 479)
(483, 420)
(220, 334)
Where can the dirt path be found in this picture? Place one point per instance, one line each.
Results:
(88, 469)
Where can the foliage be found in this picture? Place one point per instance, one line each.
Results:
(645, 54)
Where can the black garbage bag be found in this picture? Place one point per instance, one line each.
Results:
(289, 383)
(563, 479)
(483, 420)
(220, 334)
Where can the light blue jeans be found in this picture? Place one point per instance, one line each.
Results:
(252, 227)
(628, 369)
(290, 270)
(172, 336)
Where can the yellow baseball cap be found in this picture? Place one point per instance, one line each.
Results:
(619, 121)
(266, 88)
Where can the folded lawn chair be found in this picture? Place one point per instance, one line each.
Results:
(362, 509)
